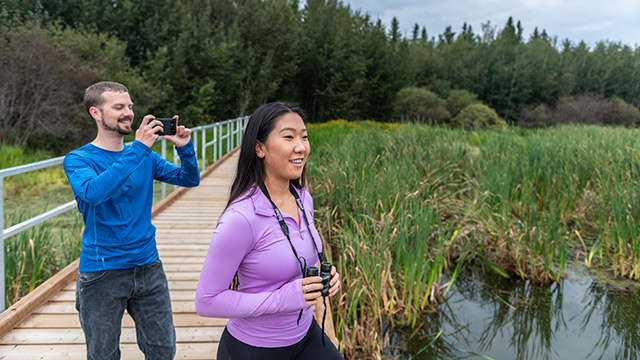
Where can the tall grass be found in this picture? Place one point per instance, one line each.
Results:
(381, 203)
(403, 204)
(34, 255)
(31, 182)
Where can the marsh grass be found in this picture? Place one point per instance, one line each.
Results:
(383, 214)
(401, 204)
(34, 255)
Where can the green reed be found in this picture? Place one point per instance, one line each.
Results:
(383, 211)
(402, 204)
(34, 255)
(618, 210)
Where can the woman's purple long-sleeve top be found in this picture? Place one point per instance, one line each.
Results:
(248, 239)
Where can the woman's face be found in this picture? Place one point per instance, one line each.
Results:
(286, 148)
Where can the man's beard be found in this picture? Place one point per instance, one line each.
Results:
(117, 128)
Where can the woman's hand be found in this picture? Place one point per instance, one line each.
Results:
(334, 284)
(311, 287)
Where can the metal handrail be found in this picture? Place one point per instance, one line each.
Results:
(233, 134)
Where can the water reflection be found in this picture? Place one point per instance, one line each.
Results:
(620, 325)
(506, 319)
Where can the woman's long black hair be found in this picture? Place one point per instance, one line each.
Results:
(250, 170)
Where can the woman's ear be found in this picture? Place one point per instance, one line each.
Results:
(260, 149)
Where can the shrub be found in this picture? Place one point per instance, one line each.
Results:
(421, 105)
(478, 116)
(460, 99)
(595, 109)
(621, 113)
(537, 116)
(587, 109)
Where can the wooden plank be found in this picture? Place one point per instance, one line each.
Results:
(190, 223)
(197, 202)
(62, 307)
(182, 285)
(182, 267)
(56, 321)
(191, 214)
(17, 312)
(194, 351)
(181, 247)
(173, 285)
(67, 295)
(178, 225)
(190, 232)
(184, 240)
(211, 206)
(183, 276)
(184, 253)
(221, 162)
(76, 336)
(68, 307)
(166, 260)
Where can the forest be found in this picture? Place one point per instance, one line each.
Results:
(212, 60)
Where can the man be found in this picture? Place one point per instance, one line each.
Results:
(119, 265)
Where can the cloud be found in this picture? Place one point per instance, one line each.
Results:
(585, 20)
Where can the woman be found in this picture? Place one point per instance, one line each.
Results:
(271, 314)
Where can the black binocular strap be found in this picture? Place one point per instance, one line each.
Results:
(285, 228)
(320, 253)
(285, 231)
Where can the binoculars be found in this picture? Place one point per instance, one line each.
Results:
(324, 273)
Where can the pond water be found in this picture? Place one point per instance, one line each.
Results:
(489, 317)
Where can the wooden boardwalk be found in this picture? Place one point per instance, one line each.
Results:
(184, 229)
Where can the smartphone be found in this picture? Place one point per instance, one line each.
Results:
(168, 125)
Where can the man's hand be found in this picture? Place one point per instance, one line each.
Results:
(148, 131)
(182, 136)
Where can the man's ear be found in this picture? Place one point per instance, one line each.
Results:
(260, 149)
(95, 113)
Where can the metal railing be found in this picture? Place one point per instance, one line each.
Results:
(228, 132)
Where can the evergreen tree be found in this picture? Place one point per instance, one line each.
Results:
(447, 37)
(394, 33)
(416, 29)
(332, 67)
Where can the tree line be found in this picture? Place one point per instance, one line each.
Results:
(209, 60)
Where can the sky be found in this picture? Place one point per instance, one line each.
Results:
(576, 20)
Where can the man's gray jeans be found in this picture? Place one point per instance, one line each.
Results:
(102, 297)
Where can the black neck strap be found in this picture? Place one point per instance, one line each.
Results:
(285, 228)
(285, 231)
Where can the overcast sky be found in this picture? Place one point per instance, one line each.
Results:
(588, 20)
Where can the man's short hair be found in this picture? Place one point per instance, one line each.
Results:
(93, 94)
